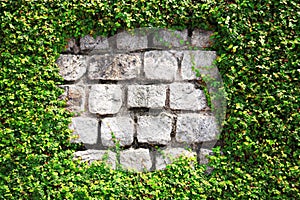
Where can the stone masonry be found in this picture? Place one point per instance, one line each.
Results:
(139, 90)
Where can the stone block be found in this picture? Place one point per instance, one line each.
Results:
(169, 155)
(184, 96)
(193, 128)
(154, 129)
(131, 41)
(105, 99)
(201, 38)
(136, 159)
(160, 65)
(114, 67)
(203, 154)
(201, 60)
(72, 67)
(91, 155)
(148, 96)
(86, 129)
(76, 98)
(121, 127)
(72, 46)
(169, 39)
(90, 44)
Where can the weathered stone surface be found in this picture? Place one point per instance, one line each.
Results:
(114, 67)
(200, 38)
(197, 59)
(154, 130)
(149, 96)
(72, 46)
(121, 127)
(170, 39)
(203, 154)
(86, 128)
(136, 159)
(91, 155)
(76, 98)
(105, 99)
(72, 67)
(161, 65)
(88, 43)
(131, 41)
(191, 128)
(184, 96)
(168, 156)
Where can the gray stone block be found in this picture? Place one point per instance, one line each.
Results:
(160, 65)
(136, 159)
(196, 59)
(114, 67)
(203, 154)
(86, 129)
(121, 127)
(72, 67)
(192, 128)
(105, 99)
(154, 130)
(72, 47)
(169, 155)
(131, 41)
(149, 96)
(184, 96)
(76, 98)
(91, 44)
(201, 38)
(169, 38)
(91, 155)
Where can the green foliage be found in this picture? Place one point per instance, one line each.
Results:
(258, 47)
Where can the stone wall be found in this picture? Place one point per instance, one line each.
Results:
(139, 90)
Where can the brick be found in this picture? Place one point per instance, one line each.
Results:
(136, 159)
(122, 128)
(169, 155)
(72, 67)
(192, 128)
(131, 41)
(154, 129)
(86, 128)
(114, 67)
(170, 38)
(148, 96)
(105, 99)
(184, 96)
(160, 65)
(91, 155)
(197, 59)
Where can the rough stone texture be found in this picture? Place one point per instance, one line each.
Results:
(161, 65)
(149, 96)
(76, 98)
(90, 44)
(86, 128)
(136, 159)
(91, 155)
(122, 128)
(131, 41)
(203, 155)
(72, 46)
(198, 59)
(184, 96)
(154, 130)
(114, 67)
(191, 128)
(105, 99)
(201, 38)
(170, 39)
(72, 67)
(168, 155)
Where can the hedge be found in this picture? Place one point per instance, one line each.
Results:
(258, 56)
